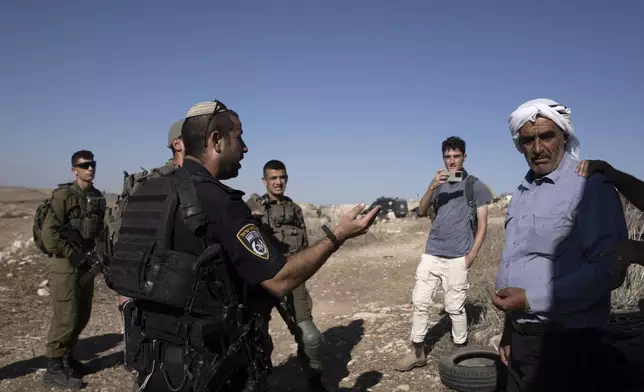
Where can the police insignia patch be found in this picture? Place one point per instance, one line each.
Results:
(252, 240)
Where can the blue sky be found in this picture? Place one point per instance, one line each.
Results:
(355, 97)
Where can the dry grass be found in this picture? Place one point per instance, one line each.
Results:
(629, 294)
(482, 282)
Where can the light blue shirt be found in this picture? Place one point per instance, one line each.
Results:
(558, 229)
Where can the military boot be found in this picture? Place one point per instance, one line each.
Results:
(415, 358)
(60, 375)
(77, 366)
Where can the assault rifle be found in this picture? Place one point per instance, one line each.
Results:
(245, 331)
(96, 266)
(257, 205)
(287, 315)
(92, 263)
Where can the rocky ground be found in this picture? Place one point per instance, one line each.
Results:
(361, 303)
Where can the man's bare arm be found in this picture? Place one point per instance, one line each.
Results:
(423, 206)
(425, 201)
(481, 214)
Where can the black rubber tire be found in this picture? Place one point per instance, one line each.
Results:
(487, 377)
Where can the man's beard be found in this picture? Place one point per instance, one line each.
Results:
(230, 170)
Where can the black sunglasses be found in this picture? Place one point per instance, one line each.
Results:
(219, 108)
(86, 165)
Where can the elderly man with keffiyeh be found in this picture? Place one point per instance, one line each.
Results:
(557, 269)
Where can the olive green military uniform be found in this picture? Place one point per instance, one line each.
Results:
(83, 211)
(283, 222)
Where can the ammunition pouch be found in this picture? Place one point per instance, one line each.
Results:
(75, 224)
(284, 223)
(90, 227)
(170, 278)
(293, 238)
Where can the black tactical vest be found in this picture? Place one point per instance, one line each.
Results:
(182, 300)
(144, 267)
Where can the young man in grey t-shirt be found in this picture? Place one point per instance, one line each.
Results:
(452, 246)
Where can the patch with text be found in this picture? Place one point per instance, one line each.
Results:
(252, 239)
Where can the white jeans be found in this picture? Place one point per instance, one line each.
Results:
(452, 273)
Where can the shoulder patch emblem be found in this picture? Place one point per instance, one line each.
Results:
(252, 239)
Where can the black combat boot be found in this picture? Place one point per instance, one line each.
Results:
(60, 375)
(77, 366)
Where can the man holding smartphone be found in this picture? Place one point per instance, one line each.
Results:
(459, 202)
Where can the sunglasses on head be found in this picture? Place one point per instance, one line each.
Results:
(219, 108)
(86, 165)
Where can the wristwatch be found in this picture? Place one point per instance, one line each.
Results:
(332, 237)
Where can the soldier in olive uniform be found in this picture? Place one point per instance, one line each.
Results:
(175, 144)
(76, 208)
(282, 220)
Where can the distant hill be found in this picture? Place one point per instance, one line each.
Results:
(18, 195)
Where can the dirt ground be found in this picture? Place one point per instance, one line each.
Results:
(361, 303)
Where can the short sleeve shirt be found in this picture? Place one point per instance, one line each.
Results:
(451, 234)
(232, 225)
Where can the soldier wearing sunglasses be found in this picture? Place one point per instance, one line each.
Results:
(78, 208)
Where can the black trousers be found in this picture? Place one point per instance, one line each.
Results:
(567, 360)
(171, 377)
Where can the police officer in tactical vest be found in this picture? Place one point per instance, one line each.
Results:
(200, 270)
(70, 229)
(282, 220)
(175, 144)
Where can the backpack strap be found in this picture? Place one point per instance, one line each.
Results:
(64, 185)
(78, 194)
(266, 200)
(469, 196)
(469, 189)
